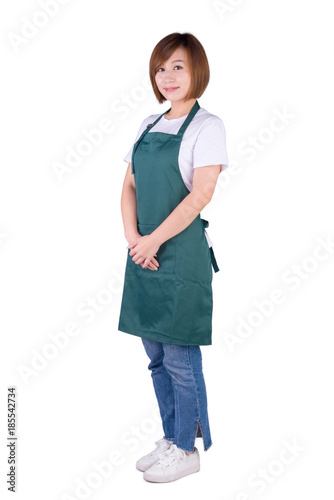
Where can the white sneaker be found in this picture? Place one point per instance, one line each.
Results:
(173, 464)
(148, 460)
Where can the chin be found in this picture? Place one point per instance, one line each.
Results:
(173, 97)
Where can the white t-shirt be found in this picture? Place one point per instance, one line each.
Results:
(203, 143)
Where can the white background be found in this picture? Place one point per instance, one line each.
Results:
(62, 247)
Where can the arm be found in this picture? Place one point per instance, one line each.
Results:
(204, 183)
(129, 214)
(129, 206)
(129, 198)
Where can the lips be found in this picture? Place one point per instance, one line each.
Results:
(170, 89)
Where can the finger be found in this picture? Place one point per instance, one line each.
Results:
(139, 260)
(155, 261)
(145, 263)
(152, 266)
(133, 252)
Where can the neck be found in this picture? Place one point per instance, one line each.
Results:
(180, 108)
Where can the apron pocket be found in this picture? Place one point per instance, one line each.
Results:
(156, 304)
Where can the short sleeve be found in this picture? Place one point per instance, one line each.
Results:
(210, 145)
(142, 127)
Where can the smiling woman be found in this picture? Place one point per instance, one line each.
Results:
(193, 72)
(172, 172)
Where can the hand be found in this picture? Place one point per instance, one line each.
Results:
(144, 250)
(153, 264)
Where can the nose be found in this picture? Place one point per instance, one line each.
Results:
(168, 77)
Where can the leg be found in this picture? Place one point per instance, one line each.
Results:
(184, 364)
(163, 386)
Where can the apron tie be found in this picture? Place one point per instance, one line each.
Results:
(213, 258)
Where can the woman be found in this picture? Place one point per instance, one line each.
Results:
(167, 293)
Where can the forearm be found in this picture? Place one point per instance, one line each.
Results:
(181, 217)
(129, 212)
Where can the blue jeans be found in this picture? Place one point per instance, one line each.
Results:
(178, 381)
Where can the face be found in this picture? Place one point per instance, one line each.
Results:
(173, 78)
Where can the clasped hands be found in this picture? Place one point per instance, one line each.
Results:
(144, 250)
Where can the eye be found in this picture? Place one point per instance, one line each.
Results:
(162, 69)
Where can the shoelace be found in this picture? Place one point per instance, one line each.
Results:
(168, 456)
(159, 444)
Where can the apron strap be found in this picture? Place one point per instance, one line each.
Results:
(213, 258)
(136, 146)
(190, 116)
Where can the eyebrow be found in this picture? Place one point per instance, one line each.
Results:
(176, 60)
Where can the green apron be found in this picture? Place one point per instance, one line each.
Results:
(173, 304)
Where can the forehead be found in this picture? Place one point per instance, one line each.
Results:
(179, 53)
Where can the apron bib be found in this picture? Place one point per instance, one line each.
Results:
(173, 304)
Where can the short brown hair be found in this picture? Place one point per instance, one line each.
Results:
(199, 65)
